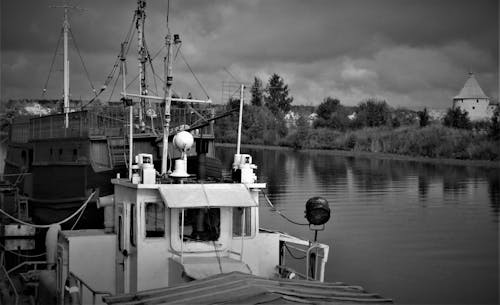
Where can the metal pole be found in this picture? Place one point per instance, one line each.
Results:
(168, 98)
(66, 68)
(141, 16)
(240, 119)
(130, 115)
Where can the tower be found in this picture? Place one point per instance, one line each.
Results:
(473, 100)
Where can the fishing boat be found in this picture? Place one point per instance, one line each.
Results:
(167, 236)
(84, 146)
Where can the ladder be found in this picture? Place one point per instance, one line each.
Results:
(118, 151)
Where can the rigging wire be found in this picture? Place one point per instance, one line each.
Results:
(52, 63)
(113, 91)
(83, 63)
(150, 61)
(77, 220)
(111, 75)
(194, 75)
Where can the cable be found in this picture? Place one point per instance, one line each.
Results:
(83, 63)
(78, 219)
(281, 214)
(111, 75)
(291, 254)
(49, 225)
(52, 63)
(22, 255)
(194, 75)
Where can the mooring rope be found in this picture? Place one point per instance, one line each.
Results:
(80, 209)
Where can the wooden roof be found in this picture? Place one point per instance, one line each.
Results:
(240, 288)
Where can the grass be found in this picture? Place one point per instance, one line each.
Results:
(434, 141)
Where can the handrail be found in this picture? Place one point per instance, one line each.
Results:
(26, 263)
(323, 257)
(94, 292)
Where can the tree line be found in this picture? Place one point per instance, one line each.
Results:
(372, 125)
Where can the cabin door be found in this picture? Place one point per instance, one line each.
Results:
(127, 251)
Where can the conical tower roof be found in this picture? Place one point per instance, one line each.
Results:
(471, 89)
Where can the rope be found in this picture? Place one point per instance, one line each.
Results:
(83, 63)
(111, 75)
(48, 226)
(281, 214)
(52, 64)
(194, 75)
(22, 255)
(78, 219)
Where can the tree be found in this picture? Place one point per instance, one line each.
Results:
(277, 98)
(300, 136)
(494, 128)
(257, 92)
(331, 114)
(423, 117)
(457, 118)
(327, 107)
(372, 113)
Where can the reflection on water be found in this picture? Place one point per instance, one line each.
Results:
(417, 232)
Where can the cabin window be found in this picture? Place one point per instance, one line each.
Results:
(473, 107)
(200, 224)
(60, 153)
(120, 237)
(239, 222)
(75, 154)
(132, 225)
(155, 219)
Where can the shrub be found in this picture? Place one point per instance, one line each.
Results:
(423, 117)
(457, 118)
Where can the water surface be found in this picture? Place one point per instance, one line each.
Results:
(416, 232)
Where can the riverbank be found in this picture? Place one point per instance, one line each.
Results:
(378, 155)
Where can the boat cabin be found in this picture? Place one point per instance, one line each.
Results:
(163, 234)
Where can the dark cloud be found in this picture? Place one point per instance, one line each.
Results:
(410, 52)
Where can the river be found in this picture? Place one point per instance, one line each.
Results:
(416, 232)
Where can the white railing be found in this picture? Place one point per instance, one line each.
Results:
(315, 255)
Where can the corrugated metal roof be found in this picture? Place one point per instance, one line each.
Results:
(471, 89)
(240, 288)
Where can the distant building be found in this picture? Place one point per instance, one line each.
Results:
(473, 100)
(291, 119)
(312, 118)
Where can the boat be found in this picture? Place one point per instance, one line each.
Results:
(166, 236)
(84, 146)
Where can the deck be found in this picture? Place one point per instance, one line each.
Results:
(100, 122)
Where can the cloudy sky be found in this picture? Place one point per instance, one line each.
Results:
(412, 53)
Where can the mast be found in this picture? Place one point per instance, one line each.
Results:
(66, 67)
(141, 16)
(240, 117)
(66, 29)
(168, 100)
